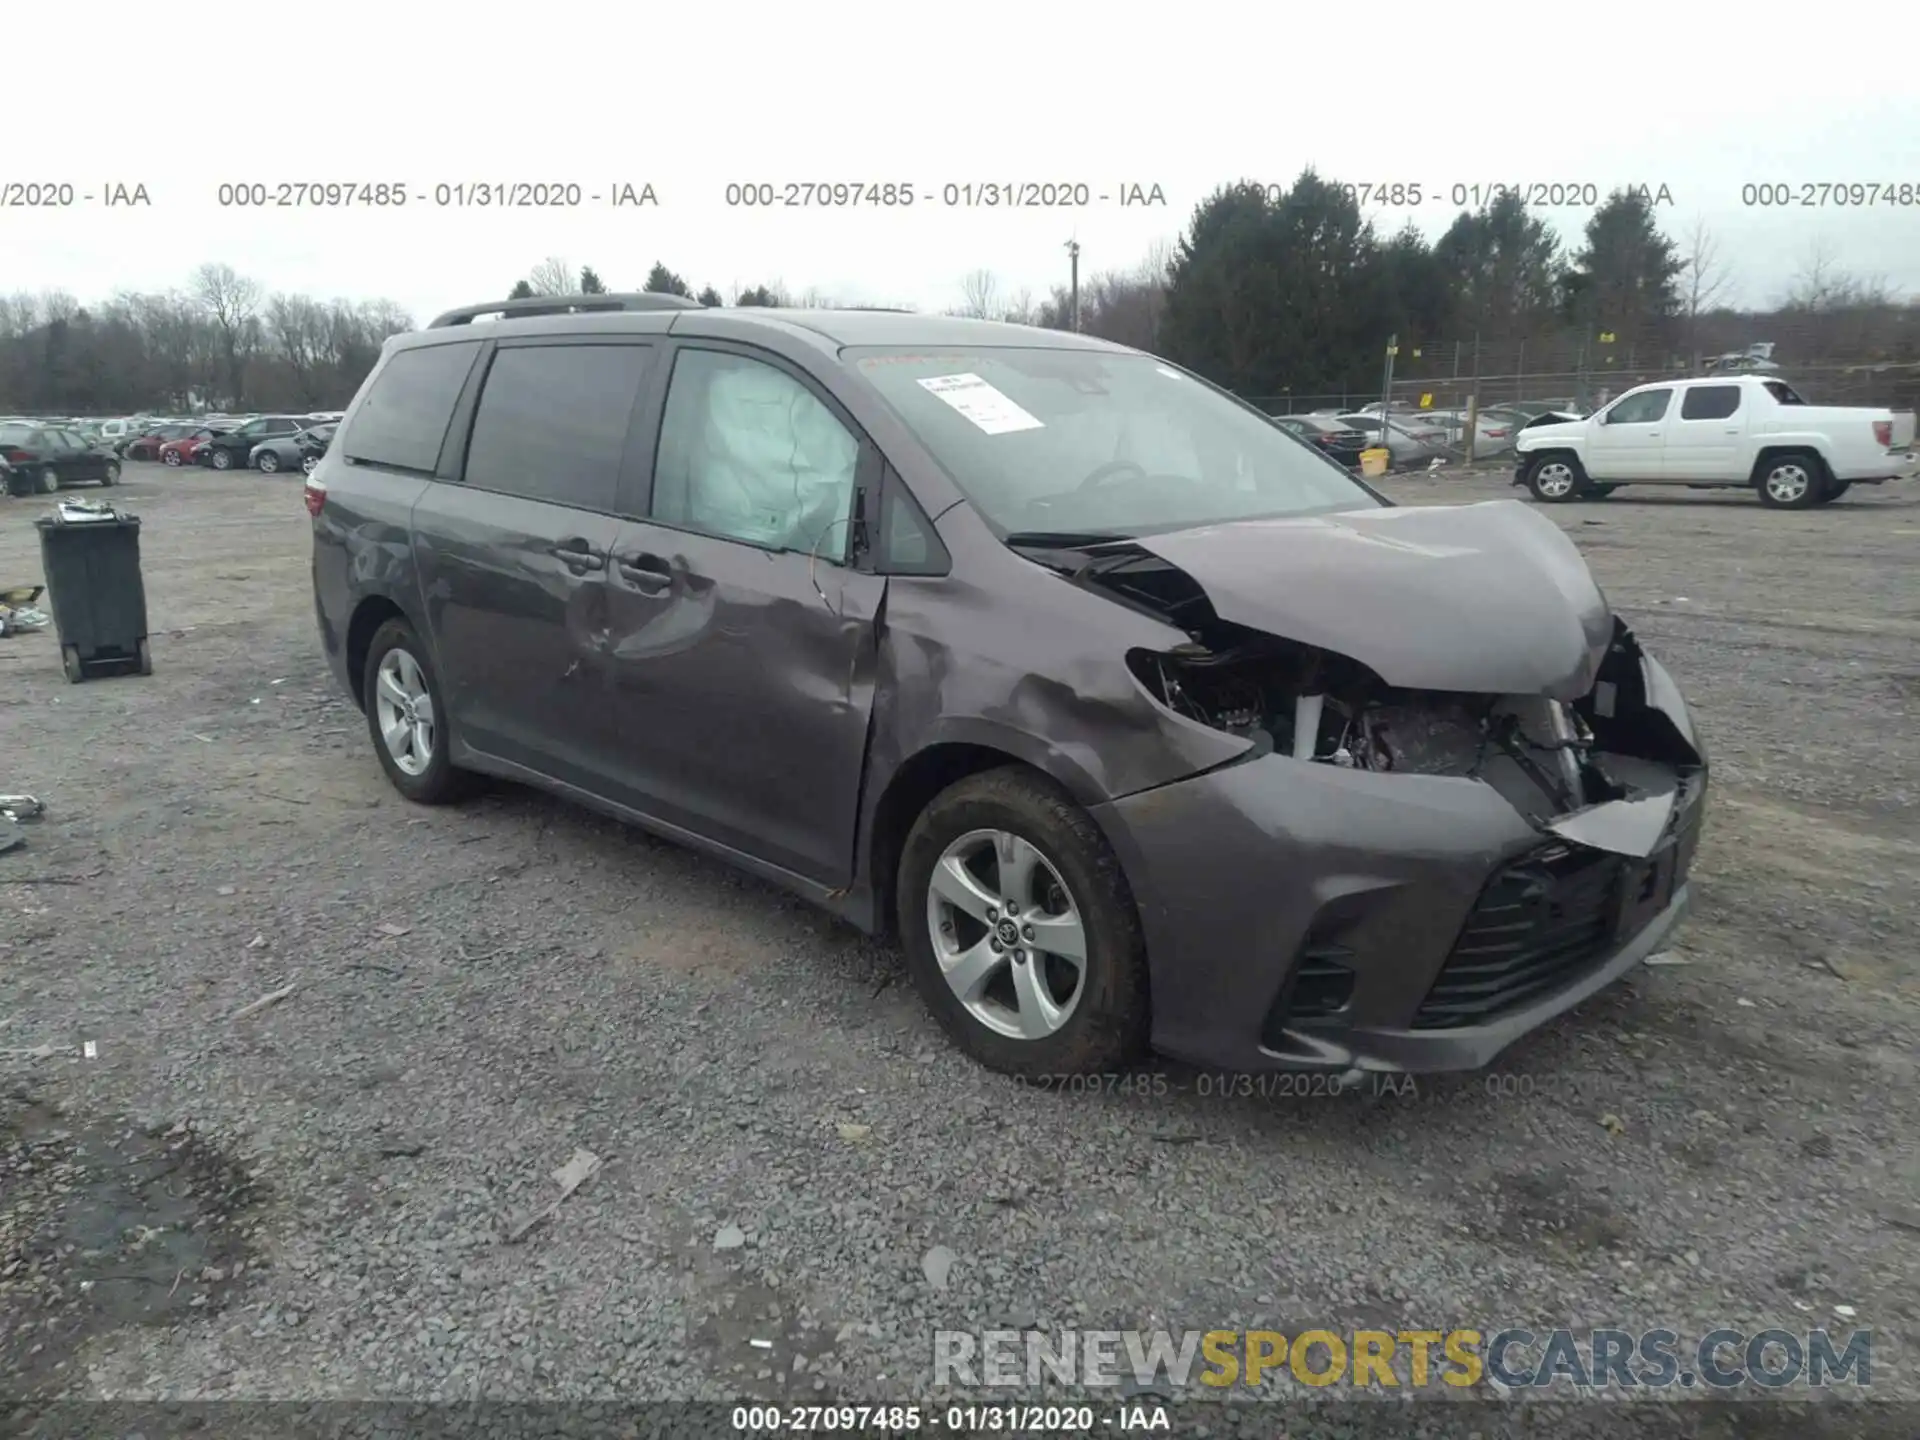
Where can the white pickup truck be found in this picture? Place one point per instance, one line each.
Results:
(1749, 431)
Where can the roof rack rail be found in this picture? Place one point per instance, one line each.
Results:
(564, 305)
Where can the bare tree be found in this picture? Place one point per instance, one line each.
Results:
(1020, 309)
(299, 328)
(1704, 282)
(980, 295)
(1821, 286)
(552, 276)
(231, 301)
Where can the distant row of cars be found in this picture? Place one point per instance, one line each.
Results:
(41, 455)
(1413, 437)
(268, 443)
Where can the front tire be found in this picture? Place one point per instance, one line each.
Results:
(112, 475)
(1834, 491)
(1020, 929)
(172, 457)
(222, 460)
(1556, 477)
(268, 462)
(1793, 481)
(407, 718)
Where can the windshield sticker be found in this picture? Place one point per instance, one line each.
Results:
(985, 406)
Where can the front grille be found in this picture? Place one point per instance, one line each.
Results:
(1538, 924)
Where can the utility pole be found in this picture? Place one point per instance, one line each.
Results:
(1073, 282)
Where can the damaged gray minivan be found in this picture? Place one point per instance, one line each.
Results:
(1136, 720)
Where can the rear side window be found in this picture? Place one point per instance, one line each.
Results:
(404, 418)
(1710, 402)
(1783, 394)
(552, 423)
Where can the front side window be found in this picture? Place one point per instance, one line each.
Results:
(1099, 443)
(1640, 409)
(552, 423)
(749, 453)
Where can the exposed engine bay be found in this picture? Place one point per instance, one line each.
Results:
(1605, 770)
(1538, 753)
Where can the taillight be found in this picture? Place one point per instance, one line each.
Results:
(18, 455)
(316, 497)
(1496, 434)
(1883, 433)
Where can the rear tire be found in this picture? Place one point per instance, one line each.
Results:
(1792, 481)
(112, 477)
(70, 662)
(1556, 477)
(1834, 491)
(268, 462)
(437, 781)
(49, 480)
(1600, 492)
(1075, 888)
(222, 460)
(172, 457)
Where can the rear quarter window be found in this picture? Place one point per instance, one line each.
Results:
(409, 403)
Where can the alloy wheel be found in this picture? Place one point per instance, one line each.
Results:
(1788, 483)
(1007, 935)
(1555, 479)
(405, 711)
(269, 462)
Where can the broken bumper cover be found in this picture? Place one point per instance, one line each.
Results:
(1304, 916)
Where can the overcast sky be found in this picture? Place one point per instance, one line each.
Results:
(1700, 100)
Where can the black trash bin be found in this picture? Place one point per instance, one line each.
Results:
(91, 560)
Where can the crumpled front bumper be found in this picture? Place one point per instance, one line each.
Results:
(1302, 915)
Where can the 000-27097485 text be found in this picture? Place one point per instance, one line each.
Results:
(952, 194)
(441, 195)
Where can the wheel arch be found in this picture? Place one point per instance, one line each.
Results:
(1770, 453)
(369, 614)
(925, 774)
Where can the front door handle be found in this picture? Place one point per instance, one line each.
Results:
(649, 574)
(576, 552)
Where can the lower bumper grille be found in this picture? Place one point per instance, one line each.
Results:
(1537, 926)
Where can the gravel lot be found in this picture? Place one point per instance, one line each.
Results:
(308, 1202)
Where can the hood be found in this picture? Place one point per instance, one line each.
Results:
(1489, 598)
(1559, 427)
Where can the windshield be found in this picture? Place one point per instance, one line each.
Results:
(1087, 442)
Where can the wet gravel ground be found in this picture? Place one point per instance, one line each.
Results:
(801, 1181)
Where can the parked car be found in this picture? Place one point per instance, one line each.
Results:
(298, 451)
(147, 446)
(1209, 748)
(47, 457)
(116, 433)
(1406, 443)
(225, 452)
(185, 449)
(1493, 432)
(1749, 432)
(1333, 439)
